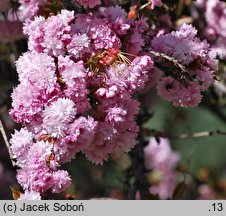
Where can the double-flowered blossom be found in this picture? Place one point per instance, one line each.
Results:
(75, 95)
(161, 161)
(196, 62)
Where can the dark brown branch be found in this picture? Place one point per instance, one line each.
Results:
(2, 130)
(156, 133)
(181, 75)
(136, 180)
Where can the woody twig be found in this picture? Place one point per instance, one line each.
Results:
(2, 130)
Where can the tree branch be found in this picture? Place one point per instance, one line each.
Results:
(2, 130)
(157, 133)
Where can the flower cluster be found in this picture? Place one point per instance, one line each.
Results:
(77, 86)
(75, 95)
(215, 18)
(161, 161)
(196, 66)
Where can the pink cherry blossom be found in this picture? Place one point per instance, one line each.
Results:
(160, 158)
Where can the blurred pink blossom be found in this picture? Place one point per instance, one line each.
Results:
(162, 161)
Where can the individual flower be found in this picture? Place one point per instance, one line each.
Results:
(37, 69)
(57, 116)
(79, 45)
(172, 90)
(61, 180)
(21, 142)
(102, 144)
(159, 153)
(116, 114)
(135, 43)
(117, 17)
(141, 24)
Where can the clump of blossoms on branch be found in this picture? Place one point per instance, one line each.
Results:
(75, 94)
(77, 84)
(195, 61)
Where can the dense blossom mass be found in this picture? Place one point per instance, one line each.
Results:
(78, 82)
(75, 94)
(199, 66)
